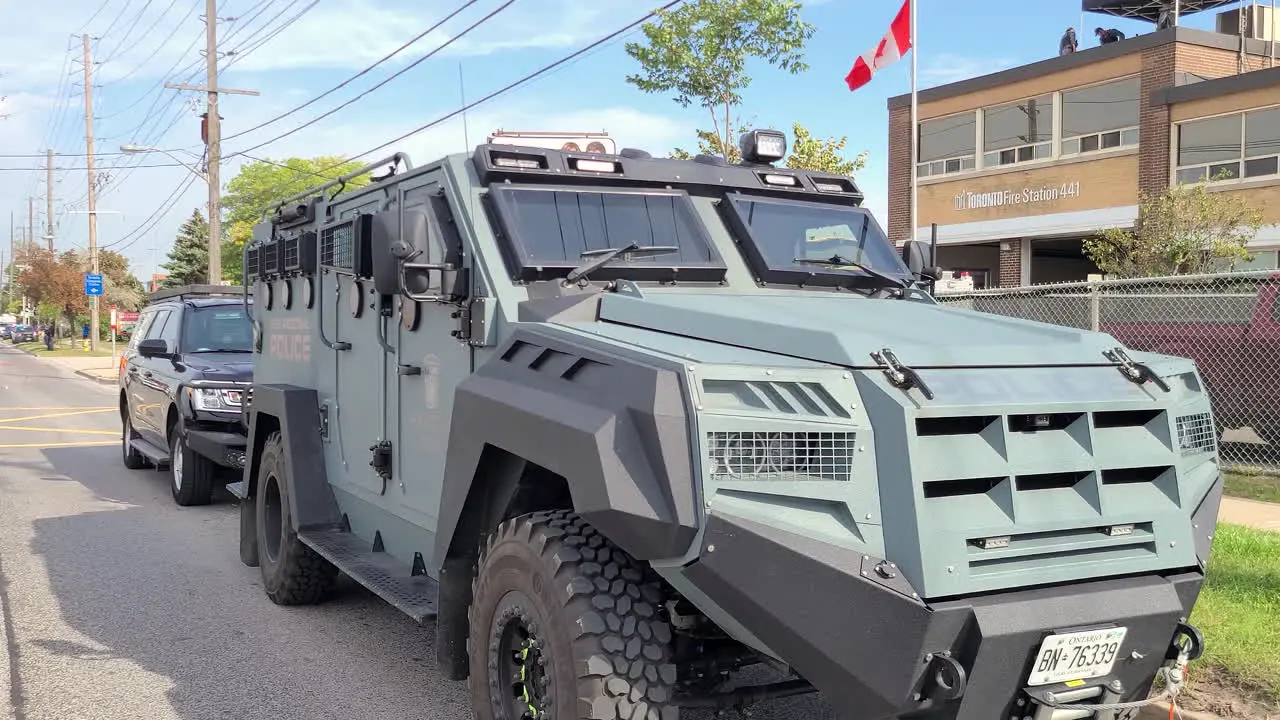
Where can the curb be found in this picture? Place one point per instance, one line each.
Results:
(95, 378)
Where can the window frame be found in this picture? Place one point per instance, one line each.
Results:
(972, 157)
(1047, 146)
(1062, 139)
(1241, 159)
(1129, 138)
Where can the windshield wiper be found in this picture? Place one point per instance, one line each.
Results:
(597, 259)
(840, 261)
(220, 350)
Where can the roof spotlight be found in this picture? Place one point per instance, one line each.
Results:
(763, 146)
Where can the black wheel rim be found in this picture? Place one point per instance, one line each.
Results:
(522, 681)
(272, 519)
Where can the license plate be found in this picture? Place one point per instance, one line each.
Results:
(1076, 656)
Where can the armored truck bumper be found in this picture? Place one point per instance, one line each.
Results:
(219, 446)
(855, 628)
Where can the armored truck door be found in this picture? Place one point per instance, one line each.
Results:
(431, 359)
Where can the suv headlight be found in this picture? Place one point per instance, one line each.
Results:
(215, 399)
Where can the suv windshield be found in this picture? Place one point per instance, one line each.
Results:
(784, 231)
(217, 328)
(549, 228)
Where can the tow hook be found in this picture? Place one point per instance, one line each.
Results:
(1192, 648)
(945, 679)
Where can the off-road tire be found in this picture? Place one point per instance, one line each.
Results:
(293, 574)
(596, 613)
(131, 458)
(191, 474)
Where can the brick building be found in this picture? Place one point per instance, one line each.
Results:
(1018, 167)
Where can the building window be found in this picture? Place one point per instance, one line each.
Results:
(1230, 147)
(1262, 143)
(947, 145)
(1100, 117)
(1018, 132)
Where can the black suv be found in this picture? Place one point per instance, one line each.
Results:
(183, 378)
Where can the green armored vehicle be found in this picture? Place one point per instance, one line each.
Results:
(624, 426)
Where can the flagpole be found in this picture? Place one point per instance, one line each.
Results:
(915, 125)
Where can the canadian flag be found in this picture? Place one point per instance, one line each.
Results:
(895, 44)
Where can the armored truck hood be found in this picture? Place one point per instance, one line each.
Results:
(845, 331)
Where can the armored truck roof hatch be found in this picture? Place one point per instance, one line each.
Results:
(622, 426)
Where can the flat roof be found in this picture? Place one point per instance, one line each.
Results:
(1217, 87)
(1080, 58)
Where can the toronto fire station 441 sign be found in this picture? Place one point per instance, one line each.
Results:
(1021, 196)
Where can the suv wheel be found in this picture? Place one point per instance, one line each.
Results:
(563, 624)
(132, 458)
(191, 474)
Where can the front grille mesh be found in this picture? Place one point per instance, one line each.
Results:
(1196, 433)
(780, 455)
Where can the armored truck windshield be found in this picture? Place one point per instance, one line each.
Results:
(551, 227)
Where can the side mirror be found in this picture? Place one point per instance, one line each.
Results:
(918, 255)
(153, 347)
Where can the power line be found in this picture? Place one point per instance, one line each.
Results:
(363, 72)
(155, 217)
(533, 75)
(163, 44)
(85, 167)
(386, 80)
(132, 26)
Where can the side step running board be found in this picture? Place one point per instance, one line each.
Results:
(414, 595)
(151, 451)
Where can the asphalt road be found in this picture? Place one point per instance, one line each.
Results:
(116, 604)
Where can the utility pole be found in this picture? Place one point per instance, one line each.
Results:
(48, 196)
(93, 200)
(31, 219)
(213, 137)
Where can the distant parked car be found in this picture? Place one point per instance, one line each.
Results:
(6, 330)
(24, 333)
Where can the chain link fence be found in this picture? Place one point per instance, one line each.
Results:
(1228, 323)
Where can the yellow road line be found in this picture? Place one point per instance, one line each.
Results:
(53, 415)
(64, 407)
(60, 430)
(65, 444)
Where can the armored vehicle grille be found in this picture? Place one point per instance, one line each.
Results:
(779, 397)
(269, 257)
(291, 253)
(252, 265)
(780, 455)
(1196, 433)
(337, 245)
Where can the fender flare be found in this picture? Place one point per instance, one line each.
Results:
(614, 427)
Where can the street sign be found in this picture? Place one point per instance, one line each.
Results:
(92, 284)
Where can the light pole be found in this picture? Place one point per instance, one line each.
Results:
(215, 221)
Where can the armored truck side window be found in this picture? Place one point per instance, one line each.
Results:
(549, 229)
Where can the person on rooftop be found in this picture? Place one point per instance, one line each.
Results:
(1106, 37)
(1068, 42)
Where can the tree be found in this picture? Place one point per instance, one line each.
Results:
(811, 153)
(807, 152)
(120, 287)
(700, 51)
(1183, 230)
(260, 185)
(189, 259)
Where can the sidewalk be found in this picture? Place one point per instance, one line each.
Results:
(101, 369)
(1250, 513)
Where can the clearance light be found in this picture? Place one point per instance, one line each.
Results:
(517, 163)
(596, 165)
(781, 180)
(828, 187)
(993, 543)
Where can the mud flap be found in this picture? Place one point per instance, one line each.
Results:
(297, 411)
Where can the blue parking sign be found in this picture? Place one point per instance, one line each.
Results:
(92, 284)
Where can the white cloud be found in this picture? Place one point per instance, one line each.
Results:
(946, 68)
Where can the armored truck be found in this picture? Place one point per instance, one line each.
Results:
(631, 431)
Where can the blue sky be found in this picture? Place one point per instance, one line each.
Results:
(136, 52)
